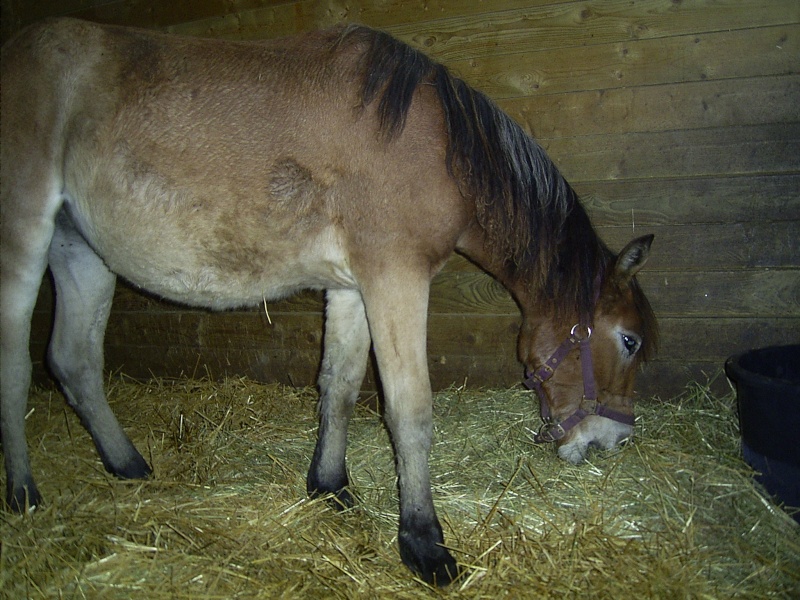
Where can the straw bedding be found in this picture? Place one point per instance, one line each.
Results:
(672, 515)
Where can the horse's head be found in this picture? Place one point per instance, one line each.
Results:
(584, 373)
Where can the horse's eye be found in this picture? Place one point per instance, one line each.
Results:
(630, 344)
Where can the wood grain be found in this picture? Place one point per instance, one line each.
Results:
(663, 107)
(772, 51)
(731, 151)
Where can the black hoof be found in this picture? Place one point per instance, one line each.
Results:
(341, 500)
(135, 468)
(337, 494)
(22, 497)
(423, 553)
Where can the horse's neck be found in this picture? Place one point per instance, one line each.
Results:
(474, 246)
(533, 304)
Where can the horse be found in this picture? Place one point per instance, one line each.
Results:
(223, 174)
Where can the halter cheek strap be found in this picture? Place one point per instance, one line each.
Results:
(555, 430)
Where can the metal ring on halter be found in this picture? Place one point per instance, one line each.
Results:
(588, 331)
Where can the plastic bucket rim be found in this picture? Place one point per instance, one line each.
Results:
(736, 372)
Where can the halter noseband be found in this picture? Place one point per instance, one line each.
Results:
(553, 430)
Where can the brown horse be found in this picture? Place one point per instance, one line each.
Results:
(220, 174)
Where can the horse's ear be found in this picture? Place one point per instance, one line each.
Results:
(633, 257)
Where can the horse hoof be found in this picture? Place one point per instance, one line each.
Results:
(428, 559)
(20, 498)
(135, 468)
(334, 490)
(342, 500)
(339, 499)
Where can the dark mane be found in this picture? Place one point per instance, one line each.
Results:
(533, 220)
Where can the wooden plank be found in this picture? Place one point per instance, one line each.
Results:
(711, 246)
(682, 339)
(458, 27)
(667, 380)
(280, 366)
(230, 330)
(464, 327)
(686, 105)
(752, 150)
(713, 294)
(469, 292)
(723, 199)
(144, 13)
(730, 293)
(714, 246)
(695, 350)
(453, 29)
(295, 17)
(567, 25)
(657, 18)
(771, 51)
(388, 13)
(698, 340)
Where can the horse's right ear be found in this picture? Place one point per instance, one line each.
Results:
(633, 257)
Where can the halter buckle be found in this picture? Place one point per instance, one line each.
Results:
(575, 328)
(589, 405)
(549, 432)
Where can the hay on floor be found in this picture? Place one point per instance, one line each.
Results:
(674, 514)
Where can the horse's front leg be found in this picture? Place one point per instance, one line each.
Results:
(344, 365)
(397, 314)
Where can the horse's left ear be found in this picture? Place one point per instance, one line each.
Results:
(633, 257)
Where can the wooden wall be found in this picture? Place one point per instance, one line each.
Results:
(680, 118)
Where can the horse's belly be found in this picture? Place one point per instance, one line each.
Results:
(213, 286)
(200, 266)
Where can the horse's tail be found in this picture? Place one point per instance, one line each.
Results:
(531, 215)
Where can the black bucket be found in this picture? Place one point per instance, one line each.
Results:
(768, 392)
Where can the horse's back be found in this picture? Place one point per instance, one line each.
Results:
(229, 170)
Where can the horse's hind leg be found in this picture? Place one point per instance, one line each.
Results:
(24, 239)
(344, 365)
(84, 292)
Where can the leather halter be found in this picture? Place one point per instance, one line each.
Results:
(553, 430)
